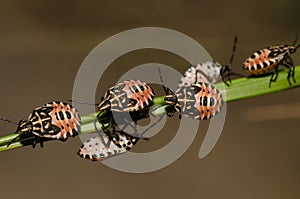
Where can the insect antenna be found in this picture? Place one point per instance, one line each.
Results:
(226, 71)
(170, 97)
(14, 123)
(294, 43)
(9, 121)
(233, 50)
(296, 40)
(167, 90)
(21, 136)
(232, 56)
(82, 102)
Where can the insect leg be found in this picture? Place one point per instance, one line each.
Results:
(13, 140)
(37, 140)
(273, 76)
(290, 64)
(112, 135)
(40, 141)
(226, 75)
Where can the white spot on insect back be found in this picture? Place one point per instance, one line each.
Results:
(209, 72)
(101, 147)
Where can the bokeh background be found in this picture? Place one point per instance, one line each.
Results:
(43, 43)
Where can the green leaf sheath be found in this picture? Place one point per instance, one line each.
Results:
(242, 88)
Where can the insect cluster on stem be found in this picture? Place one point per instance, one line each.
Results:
(195, 98)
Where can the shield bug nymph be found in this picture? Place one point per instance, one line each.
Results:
(210, 71)
(199, 101)
(104, 146)
(54, 120)
(128, 96)
(269, 59)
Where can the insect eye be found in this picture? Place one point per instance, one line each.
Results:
(292, 50)
(273, 54)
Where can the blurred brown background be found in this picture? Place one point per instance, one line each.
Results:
(42, 44)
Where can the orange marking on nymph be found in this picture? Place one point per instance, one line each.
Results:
(73, 122)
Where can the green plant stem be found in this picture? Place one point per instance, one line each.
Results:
(249, 87)
(241, 88)
(89, 124)
(11, 146)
